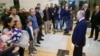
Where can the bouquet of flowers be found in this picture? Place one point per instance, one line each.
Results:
(16, 34)
(13, 36)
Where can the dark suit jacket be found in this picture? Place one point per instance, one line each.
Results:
(87, 14)
(79, 33)
(95, 19)
(46, 16)
(51, 12)
(23, 19)
(29, 32)
(4, 16)
(39, 19)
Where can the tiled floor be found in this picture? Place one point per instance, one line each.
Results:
(53, 42)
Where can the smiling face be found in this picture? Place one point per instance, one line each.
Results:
(13, 11)
(11, 24)
(18, 24)
(32, 12)
(97, 8)
(8, 9)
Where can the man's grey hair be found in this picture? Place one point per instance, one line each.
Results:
(82, 12)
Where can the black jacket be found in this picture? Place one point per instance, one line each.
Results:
(95, 20)
(87, 14)
(4, 16)
(46, 16)
(23, 19)
(51, 12)
(39, 19)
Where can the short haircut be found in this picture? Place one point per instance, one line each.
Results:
(28, 21)
(30, 9)
(82, 12)
(11, 8)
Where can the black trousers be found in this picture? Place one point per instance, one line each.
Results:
(21, 51)
(77, 51)
(96, 29)
(53, 22)
(39, 34)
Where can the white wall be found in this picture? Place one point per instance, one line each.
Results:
(27, 4)
(8, 2)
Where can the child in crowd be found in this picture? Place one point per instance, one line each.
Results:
(29, 29)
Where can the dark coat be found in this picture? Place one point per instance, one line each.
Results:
(46, 16)
(4, 16)
(67, 15)
(29, 32)
(51, 12)
(79, 33)
(39, 19)
(95, 19)
(87, 14)
(23, 19)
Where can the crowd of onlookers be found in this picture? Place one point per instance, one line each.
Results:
(19, 26)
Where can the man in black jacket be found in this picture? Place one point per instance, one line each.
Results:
(51, 11)
(87, 11)
(6, 14)
(39, 21)
(23, 17)
(95, 22)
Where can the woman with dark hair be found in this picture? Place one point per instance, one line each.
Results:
(8, 24)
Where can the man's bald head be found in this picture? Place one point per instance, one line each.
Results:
(7, 9)
(85, 6)
(80, 14)
(32, 11)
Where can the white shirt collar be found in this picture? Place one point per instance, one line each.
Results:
(81, 19)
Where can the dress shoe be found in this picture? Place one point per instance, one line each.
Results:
(42, 35)
(38, 42)
(42, 39)
(66, 33)
(99, 40)
(95, 39)
(37, 45)
(90, 37)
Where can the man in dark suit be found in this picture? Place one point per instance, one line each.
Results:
(95, 22)
(5, 14)
(51, 12)
(78, 37)
(87, 11)
(23, 17)
(39, 21)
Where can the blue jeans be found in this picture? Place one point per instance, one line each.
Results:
(67, 26)
(57, 22)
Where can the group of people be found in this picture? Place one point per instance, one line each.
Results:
(14, 23)
(20, 31)
(58, 16)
